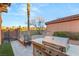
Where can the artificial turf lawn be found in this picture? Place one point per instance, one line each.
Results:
(6, 49)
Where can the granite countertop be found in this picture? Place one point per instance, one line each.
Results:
(72, 51)
(57, 40)
(38, 40)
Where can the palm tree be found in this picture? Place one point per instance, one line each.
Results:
(28, 15)
(3, 8)
(28, 41)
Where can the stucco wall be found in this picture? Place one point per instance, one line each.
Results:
(71, 26)
(0, 29)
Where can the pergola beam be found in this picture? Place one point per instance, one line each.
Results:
(3, 7)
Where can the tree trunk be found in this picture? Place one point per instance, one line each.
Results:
(0, 29)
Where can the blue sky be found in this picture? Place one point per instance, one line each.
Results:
(17, 12)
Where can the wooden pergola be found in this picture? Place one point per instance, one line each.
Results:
(3, 8)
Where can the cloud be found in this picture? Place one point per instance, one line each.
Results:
(35, 9)
(24, 7)
(73, 9)
(43, 4)
(16, 13)
(21, 10)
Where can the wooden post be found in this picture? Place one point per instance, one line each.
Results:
(0, 29)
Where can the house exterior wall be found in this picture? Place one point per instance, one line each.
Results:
(70, 26)
(0, 29)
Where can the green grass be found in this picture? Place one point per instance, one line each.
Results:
(6, 50)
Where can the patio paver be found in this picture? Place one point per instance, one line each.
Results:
(20, 50)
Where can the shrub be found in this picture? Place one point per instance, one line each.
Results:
(61, 34)
(74, 36)
(35, 32)
(71, 35)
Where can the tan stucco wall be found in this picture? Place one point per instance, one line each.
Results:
(0, 29)
(0, 37)
(71, 26)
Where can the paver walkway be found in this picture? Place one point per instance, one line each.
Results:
(20, 50)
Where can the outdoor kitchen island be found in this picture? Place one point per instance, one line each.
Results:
(48, 47)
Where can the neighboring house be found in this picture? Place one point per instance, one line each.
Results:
(69, 23)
